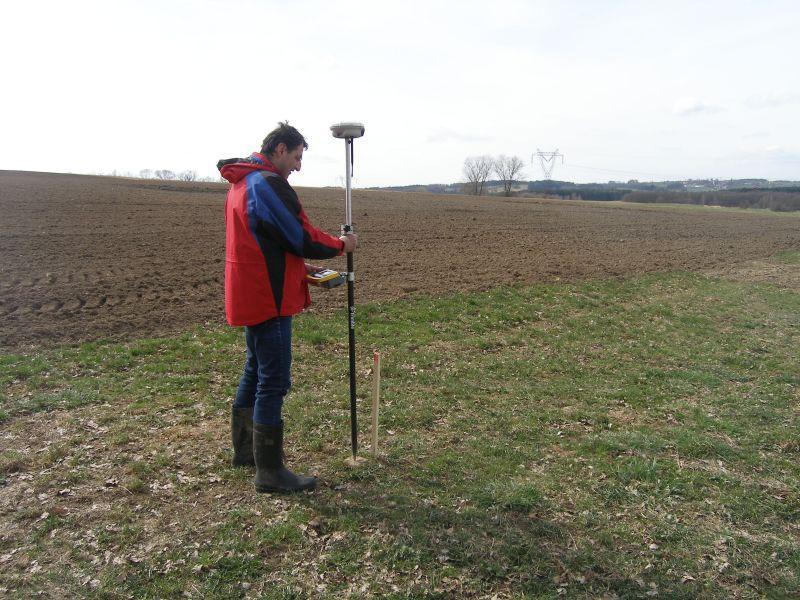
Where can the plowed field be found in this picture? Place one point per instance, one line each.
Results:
(85, 258)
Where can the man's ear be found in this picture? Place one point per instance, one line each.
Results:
(280, 149)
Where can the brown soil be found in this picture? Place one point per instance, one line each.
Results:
(86, 258)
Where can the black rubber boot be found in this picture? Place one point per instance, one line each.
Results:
(242, 437)
(271, 475)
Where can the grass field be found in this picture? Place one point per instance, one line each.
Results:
(618, 439)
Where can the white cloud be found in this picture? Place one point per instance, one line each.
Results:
(776, 152)
(773, 100)
(771, 153)
(755, 135)
(692, 106)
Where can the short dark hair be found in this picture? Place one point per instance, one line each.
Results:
(285, 134)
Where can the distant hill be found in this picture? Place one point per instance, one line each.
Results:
(744, 193)
(566, 188)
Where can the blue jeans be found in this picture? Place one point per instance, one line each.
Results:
(267, 370)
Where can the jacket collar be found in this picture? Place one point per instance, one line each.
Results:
(235, 169)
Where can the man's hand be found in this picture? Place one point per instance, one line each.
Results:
(350, 242)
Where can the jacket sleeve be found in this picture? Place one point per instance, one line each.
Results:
(318, 243)
(281, 218)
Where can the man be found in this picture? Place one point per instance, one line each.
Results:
(267, 238)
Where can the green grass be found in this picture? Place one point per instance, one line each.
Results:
(788, 257)
(608, 437)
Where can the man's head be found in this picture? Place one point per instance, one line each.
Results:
(284, 147)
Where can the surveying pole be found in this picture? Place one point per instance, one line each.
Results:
(348, 132)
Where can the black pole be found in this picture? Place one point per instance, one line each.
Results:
(351, 316)
(351, 302)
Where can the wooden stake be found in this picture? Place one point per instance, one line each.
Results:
(376, 392)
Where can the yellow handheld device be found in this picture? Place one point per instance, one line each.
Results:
(325, 278)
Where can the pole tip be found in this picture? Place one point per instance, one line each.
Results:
(355, 461)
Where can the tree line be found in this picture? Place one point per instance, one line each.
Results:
(477, 170)
(161, 174)
(167, 175)
(508, 169)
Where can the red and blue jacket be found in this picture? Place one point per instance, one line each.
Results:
(267, 236)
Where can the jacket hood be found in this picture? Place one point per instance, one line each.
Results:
(235, 169)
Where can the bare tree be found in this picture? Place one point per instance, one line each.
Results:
(164, 174)
(476, 170)
(508, 169)
(187, 176)
(146, 173)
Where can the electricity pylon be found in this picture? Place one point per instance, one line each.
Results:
(548, 161)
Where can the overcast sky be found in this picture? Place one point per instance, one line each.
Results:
(625, 90)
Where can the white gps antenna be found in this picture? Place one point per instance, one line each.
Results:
(347, 130)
